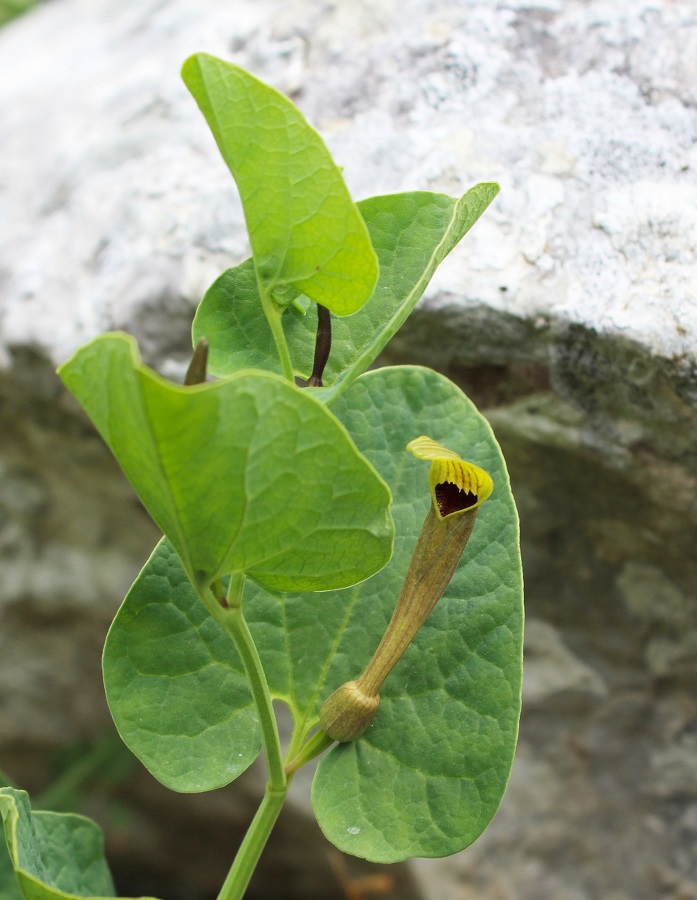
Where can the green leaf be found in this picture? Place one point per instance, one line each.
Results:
(55, 856)
(442, 743)
(305, 231)
(9, 886)
(250, 474)
(175, 685)
(412, 233)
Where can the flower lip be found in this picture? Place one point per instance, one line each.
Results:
(457, 485)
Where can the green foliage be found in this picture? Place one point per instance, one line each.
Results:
(208, 463)
(9, 9)
(305, 230)
(165, 653)
(442, 744)
(276, 577)
(55, 856)
(447, 726)
(9, 886)
(412, 233)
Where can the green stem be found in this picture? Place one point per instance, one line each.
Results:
(235, 590)
(252, 846)
(273, 315)
(317, 744)
(228, 611)
(232, 618)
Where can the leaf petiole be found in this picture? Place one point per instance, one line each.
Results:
(231, 617)
(273, 315)
(230, 614)
(318, 743)
(253, 845)
(235, 589)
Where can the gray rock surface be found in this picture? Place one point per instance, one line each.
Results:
(569, 315)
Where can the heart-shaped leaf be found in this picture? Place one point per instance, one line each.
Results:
(443, 740)
(442, 743)
(412, 233)
(305, 230)
(250, 474)
(55, 856)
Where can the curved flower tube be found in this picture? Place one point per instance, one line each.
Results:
(458, 489)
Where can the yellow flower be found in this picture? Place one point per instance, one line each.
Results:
(456, 485)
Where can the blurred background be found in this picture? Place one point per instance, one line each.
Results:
(568, 315)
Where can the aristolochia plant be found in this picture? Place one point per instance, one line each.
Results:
(280, 476)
